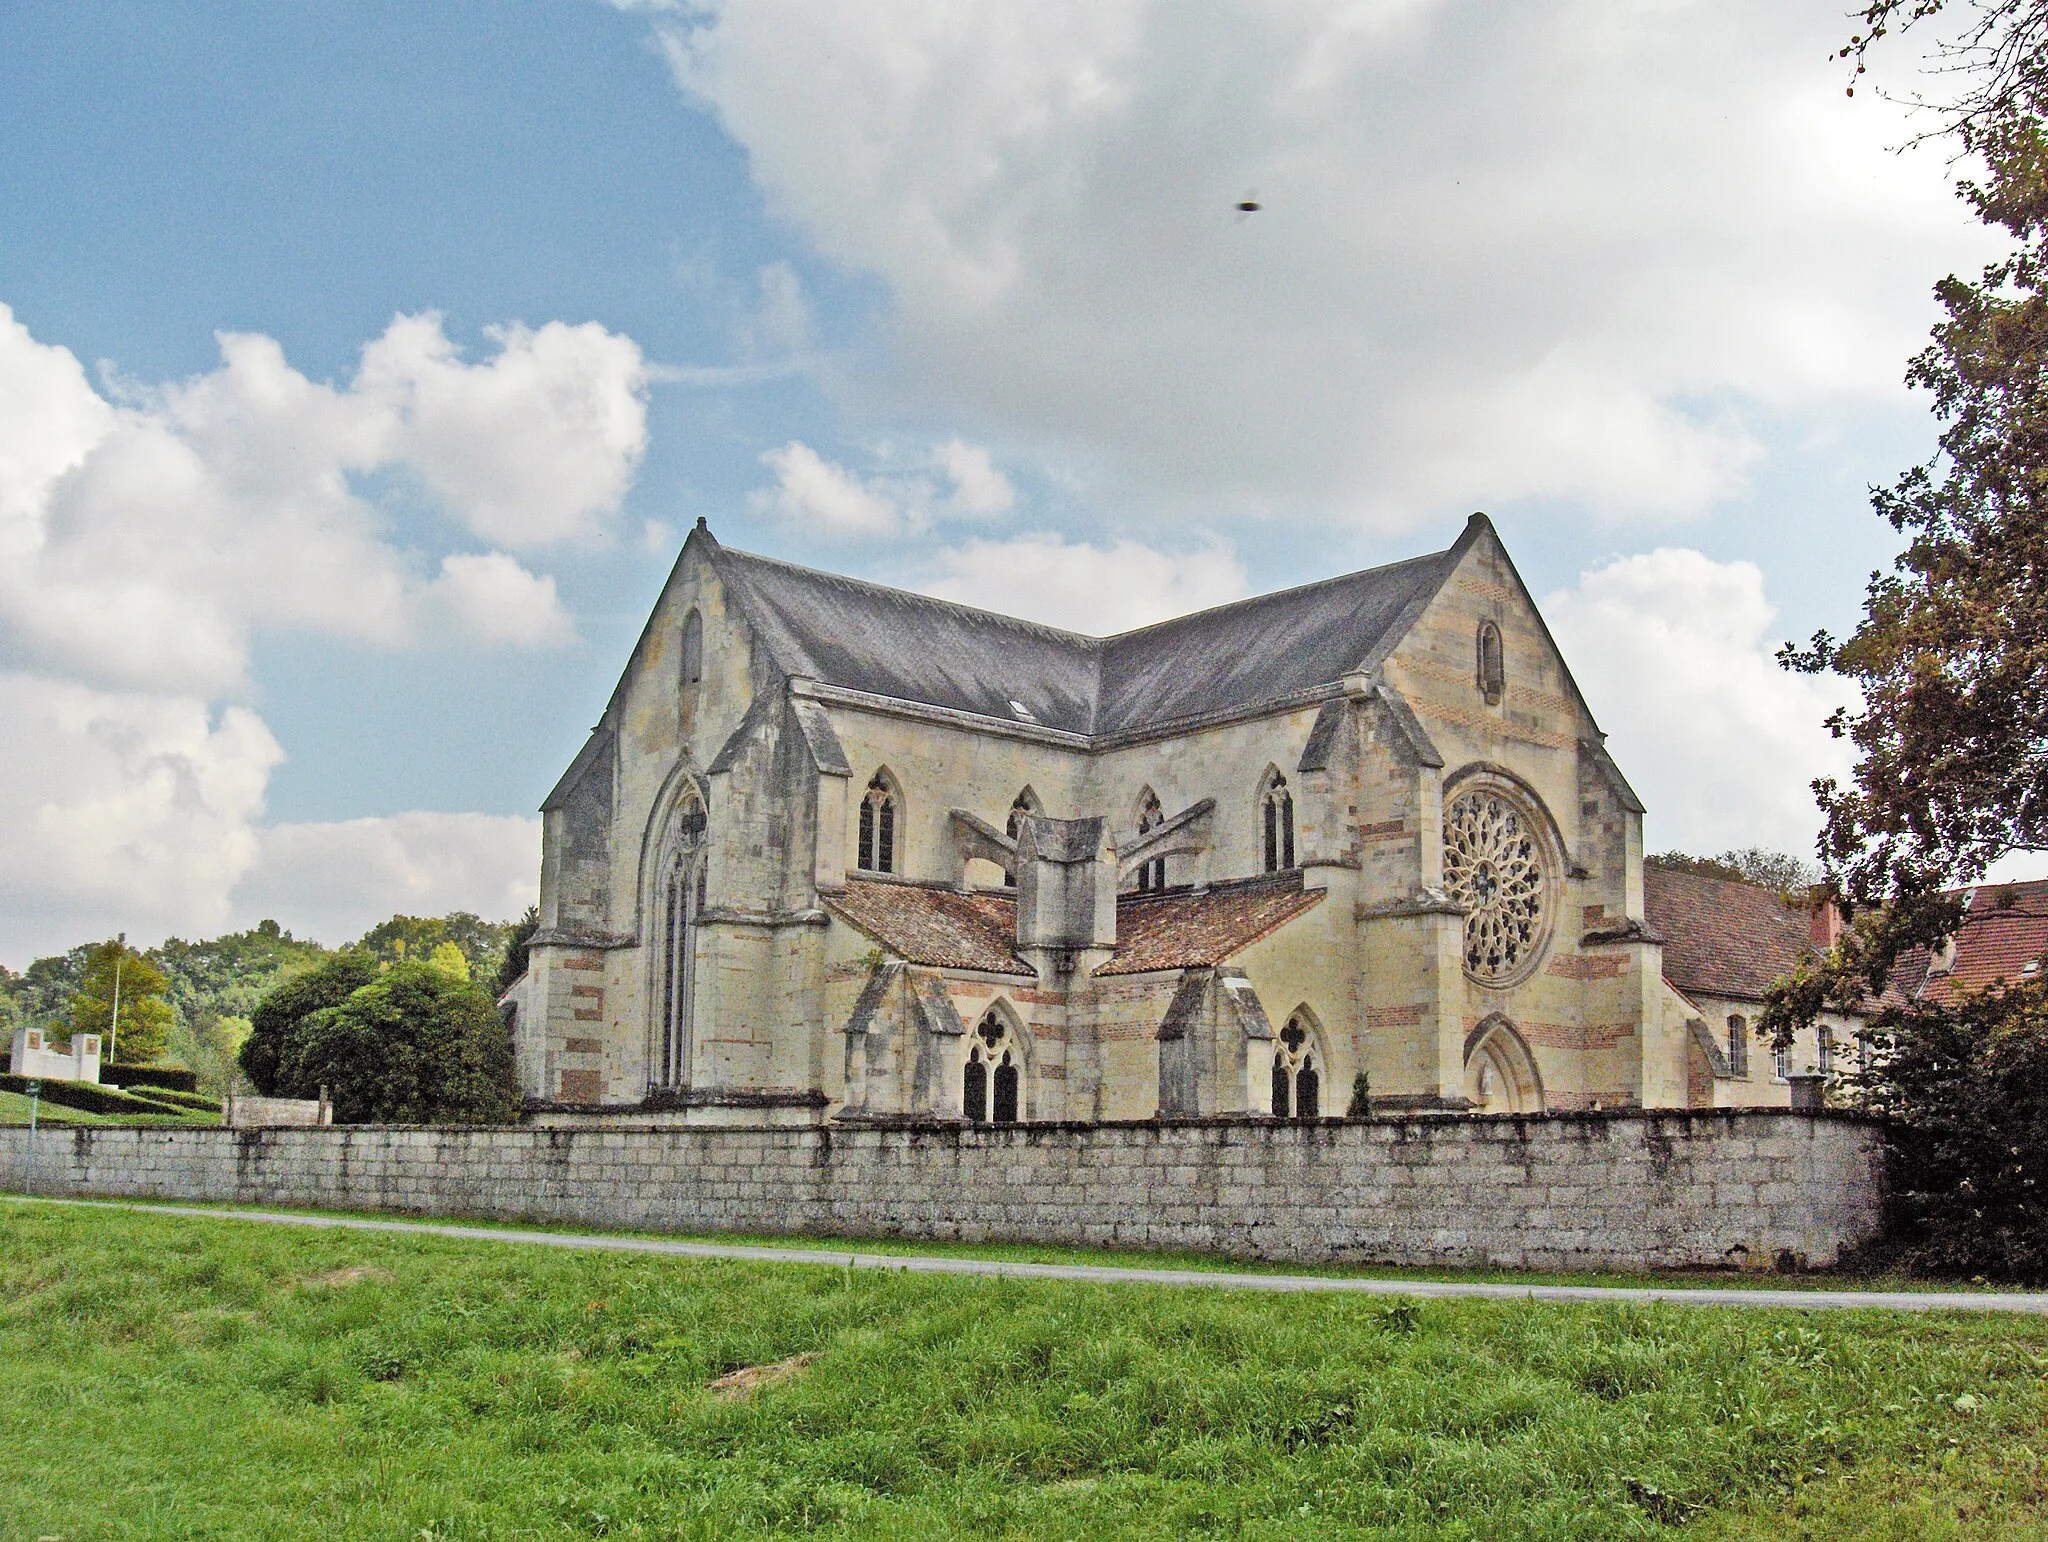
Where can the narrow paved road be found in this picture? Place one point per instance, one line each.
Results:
(2031, 1303)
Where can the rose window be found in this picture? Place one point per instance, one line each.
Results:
(1493, 870)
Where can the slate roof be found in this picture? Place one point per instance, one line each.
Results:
(1722, 937)
(865, 637)
(940, 927)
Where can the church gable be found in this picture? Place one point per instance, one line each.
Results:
(1480, 658)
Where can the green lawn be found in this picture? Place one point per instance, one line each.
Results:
(166, 1377)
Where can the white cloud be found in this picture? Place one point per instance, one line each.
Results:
(143, 541)
(537, 444)
(1674, 653)
(1564, 249)
(978, 488)
(496, 600)
(150, 533)
(144, 814)
(1099, 591)
(823, 496)
(336, 880)
(126, 811)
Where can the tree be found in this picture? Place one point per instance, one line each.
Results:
(278, 1016)
(1951, 735)
(1997, 57)
(401, 937)
(517, 946)
(1748, 864)
(114, 971)
(414, 1046)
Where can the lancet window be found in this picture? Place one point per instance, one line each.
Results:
(693, 654)
(879, 818)
(1492, 663)
(1276, 824)
(1151, 875)
(990, 1080)
(1297, 1078)
(682, 898)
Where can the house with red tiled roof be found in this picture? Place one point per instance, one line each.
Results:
(1725, 944)
(835, 851)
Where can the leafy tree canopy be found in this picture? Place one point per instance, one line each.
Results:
(517, 944)
(415, 937)
(1749, 864)
(278, 1016)
(119, 980)
(415, 1045)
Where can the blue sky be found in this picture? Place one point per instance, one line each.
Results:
(938, 295)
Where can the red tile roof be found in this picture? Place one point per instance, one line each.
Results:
(935, 925)
(1183, 931)
(940, 927)
(1722, 937)
(2005, 928)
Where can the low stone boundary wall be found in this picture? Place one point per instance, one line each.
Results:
(1570, 1191)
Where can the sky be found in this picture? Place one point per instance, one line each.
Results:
(363, 367)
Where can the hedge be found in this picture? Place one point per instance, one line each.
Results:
(85, 1096)
(173, 1077)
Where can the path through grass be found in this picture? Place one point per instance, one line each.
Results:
(167, 1377)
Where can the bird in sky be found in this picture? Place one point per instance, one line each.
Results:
(1249, 204)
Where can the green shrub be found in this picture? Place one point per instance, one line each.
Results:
(278, 1015)
(1964, 1088)
(415, 1045)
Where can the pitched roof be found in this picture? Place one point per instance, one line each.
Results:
(1187, 931)
(940, 927)
(865, 637)
(1722, 937)
(2004, 929)
(934, 925)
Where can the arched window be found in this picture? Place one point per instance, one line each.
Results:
(989, 1083)
(1026, 803)
(693, 654)
(1297, 1078)
(1492, 663)
(879, 817)
(1151, 875)
(682, 901)
(1276, 823)
(1738, 1045)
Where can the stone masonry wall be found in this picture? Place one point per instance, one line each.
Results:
(1661, 1190)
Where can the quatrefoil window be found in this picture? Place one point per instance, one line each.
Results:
(1493, 870)
(991, 1030)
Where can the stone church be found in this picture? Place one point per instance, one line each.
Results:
(838, 851)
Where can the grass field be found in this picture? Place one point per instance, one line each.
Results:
(167, 1377)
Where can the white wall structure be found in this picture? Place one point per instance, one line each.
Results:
(34, 1055)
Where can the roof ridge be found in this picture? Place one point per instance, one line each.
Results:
(1093, 644)
(1278, 594)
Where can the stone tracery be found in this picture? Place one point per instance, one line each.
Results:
(1493, 869)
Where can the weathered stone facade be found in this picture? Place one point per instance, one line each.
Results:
(840, 852)
(1682, 1190)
